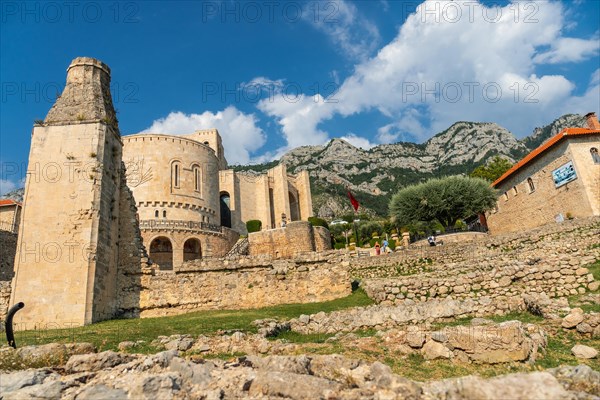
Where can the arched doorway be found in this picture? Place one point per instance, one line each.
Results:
(192, 249)
(294, 207)
(161, 252)
(225, 210)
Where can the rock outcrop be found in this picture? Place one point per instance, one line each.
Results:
(166, 375)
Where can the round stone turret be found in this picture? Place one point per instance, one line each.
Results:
(86, 96)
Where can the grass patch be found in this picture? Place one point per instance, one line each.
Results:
(594, 269)
(524, 317)
(108, 334)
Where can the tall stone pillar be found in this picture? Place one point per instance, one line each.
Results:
(67, 251)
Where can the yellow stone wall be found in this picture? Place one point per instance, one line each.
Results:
(527, 209)
(266, 197)
(10, 217)
(150, 160)
(69, 227)
(296, 238)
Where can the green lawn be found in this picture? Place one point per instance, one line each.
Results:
(107, 335)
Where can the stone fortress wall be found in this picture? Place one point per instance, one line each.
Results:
(419, 284)
(296, 238)
(496, 277)
(248, 282)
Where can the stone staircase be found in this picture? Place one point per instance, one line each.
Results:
(240, 248)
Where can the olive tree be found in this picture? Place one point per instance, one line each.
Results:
(443, 199)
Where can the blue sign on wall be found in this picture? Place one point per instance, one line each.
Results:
(564, 174)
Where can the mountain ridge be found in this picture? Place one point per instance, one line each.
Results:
(373, 175)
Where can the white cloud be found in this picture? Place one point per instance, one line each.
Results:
(240, 133)
(341, 21)
(407, 128)
(260, 86)
(6, 186)
(299, 117)
(465, 61)
(595, 77)
(569, 50)
(358, 141)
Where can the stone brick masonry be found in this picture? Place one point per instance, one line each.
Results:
(549, 260)
(238, 284)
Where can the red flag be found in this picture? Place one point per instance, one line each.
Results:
(353, 201)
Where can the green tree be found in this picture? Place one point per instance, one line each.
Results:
(492, 171)
(443, 199)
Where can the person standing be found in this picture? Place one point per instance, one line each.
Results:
(385, 246)
(377, 249)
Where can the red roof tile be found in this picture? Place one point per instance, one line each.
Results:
(548, 144)
(8, 202)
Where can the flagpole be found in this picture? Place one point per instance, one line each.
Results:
(355, 206)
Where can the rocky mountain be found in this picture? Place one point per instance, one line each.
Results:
(16, 195)
(540, 135)
(374, 175)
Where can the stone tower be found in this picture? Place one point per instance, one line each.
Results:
(67, 251)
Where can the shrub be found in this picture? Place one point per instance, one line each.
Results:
(254, 225)
(316, 221)
(445, 200)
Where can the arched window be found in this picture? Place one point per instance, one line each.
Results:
(531, 185)
(155, 213)
(164, 213)
(176, 174)
(595, 155)
(197, 179)
(294, 207)
(192, 249)
(161, 252)
(225, 210)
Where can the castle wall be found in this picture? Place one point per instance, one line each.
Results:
(211, 138)
(528, 209)
(242, 284)
(296, 238)
(133, 257)
(552, 259)
(67, 235)
(191, 196)
(302, 184)
(212, 244)
(322, 238)
(266, 197)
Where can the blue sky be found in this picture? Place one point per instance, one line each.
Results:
(275, 75)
